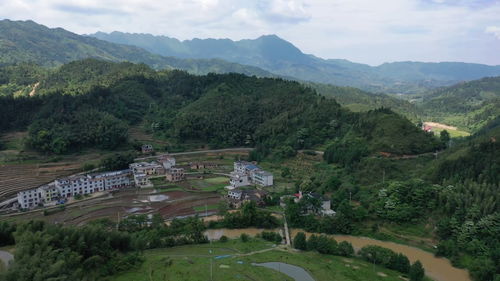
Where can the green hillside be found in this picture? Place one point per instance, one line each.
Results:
(27, 41)
(91, 103)
(279, 56)
(468, 105)
(358, 100)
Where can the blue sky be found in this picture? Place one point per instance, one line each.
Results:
(365, 31)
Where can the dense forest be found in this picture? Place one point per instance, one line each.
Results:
(469, 105)
(454, 191)
(91, 103)
(54, 252)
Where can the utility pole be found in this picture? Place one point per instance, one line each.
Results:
(211, 270)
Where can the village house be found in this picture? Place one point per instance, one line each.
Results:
(248, 173)
(147, 148)
(202, 165)
(166, 161)
(148, 169)
(325, 208)
(237, 197)
(175, 174)
(143, 170)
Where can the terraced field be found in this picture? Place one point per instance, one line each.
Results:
(14, 178)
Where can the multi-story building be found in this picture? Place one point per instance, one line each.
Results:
(167, 161)
(146, 168)
(202, 165)
(175, 174)
(49, 193)
(237, 197)
(238, 179)
(73, 185)
(29, 198)
(262, 178)
(247, 173)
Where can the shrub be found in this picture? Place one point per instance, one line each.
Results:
(223, 239)
(417, 271)
(244, 237)
(299, 242)
(345, 249)
(271, 236)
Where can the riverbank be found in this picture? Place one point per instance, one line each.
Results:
(439, 269)
(233, 260)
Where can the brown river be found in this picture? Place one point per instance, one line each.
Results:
(439, 269)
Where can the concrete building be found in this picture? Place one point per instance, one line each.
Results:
(147, 168)
(238, 179)
(73, 185)
(238, 197)
(147, 148)
(49, 193)
(166, 161)
(262, 178)
(325, 208)
(29, 198)
(175, 174)
(202, 165)
(248, 173)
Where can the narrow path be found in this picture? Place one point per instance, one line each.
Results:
(6, 257)
(287, 233)
(236, 149)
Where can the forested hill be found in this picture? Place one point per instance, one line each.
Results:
(359, 100)
(279, 56)
(467, 105)
(91, 103)
(27, 41)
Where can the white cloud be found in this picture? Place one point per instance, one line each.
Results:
(495, 30)
(360, 30)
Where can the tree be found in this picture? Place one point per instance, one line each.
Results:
(299, 242)
(345, 249)
(417, 272)
(444, 136)
(244, 237)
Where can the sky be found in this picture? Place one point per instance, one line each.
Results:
(364, 31)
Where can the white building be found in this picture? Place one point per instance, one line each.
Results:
(326, 208)
(166, 161)
(238, 179)
(247, 173)
(29, 198)
(71, 186)
(262, 178)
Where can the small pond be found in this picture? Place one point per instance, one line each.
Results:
(158, 198)
(297, 273)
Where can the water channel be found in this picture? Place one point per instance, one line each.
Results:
(439, 269)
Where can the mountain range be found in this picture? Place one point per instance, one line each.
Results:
(466, 105)
(27, 41)
(281, 57)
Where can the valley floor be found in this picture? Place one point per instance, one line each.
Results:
(233, 260)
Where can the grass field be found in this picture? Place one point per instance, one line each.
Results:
(453, 133)
(202, 208)
(192, 263)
